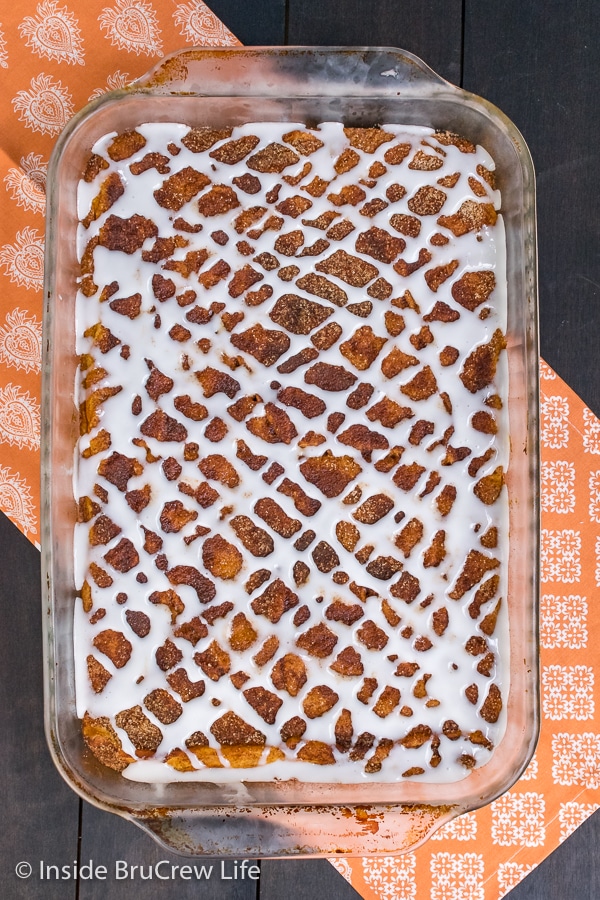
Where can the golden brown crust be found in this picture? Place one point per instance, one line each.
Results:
(288, 319)
(103, 741)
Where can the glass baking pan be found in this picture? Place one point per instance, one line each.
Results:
(359, 87)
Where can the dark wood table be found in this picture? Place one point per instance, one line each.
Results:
(540, 63)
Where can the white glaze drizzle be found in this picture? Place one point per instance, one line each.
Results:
(474, 251)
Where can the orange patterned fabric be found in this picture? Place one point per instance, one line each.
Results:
(54, 57)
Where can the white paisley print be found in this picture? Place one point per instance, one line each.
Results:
(391, 877)
(554, 422)
(591, 435)
(568, 692)
(3, 53)
(199, 24)
(573, 814)
(21, 341)
(343, 867)
(457, 876)
(19, 417)
(558, 487)
(563, 621)
(462, 828)
(510, 874)
(594, 501)
(519, 819)
(16, 500)
(132, 25)
(561, 555)
(115, 81)
(53, 33)
(576, 759)
(23, 261)
(27, 184)
(46, 107)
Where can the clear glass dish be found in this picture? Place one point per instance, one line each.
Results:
(359, 86)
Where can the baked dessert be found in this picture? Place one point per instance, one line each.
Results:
(291, 550)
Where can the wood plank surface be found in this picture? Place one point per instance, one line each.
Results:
(539, 62)
(34, 797)
(122, 846)
(257, 23)
(313, 879)
(431, 28)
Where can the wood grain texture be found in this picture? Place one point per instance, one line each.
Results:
(431, 29)
(259, 23)
(540, 62)
(303, 880)
(107, 838)
(34, 797)
(571, 871)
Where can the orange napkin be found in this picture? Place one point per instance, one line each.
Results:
(53, 60)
